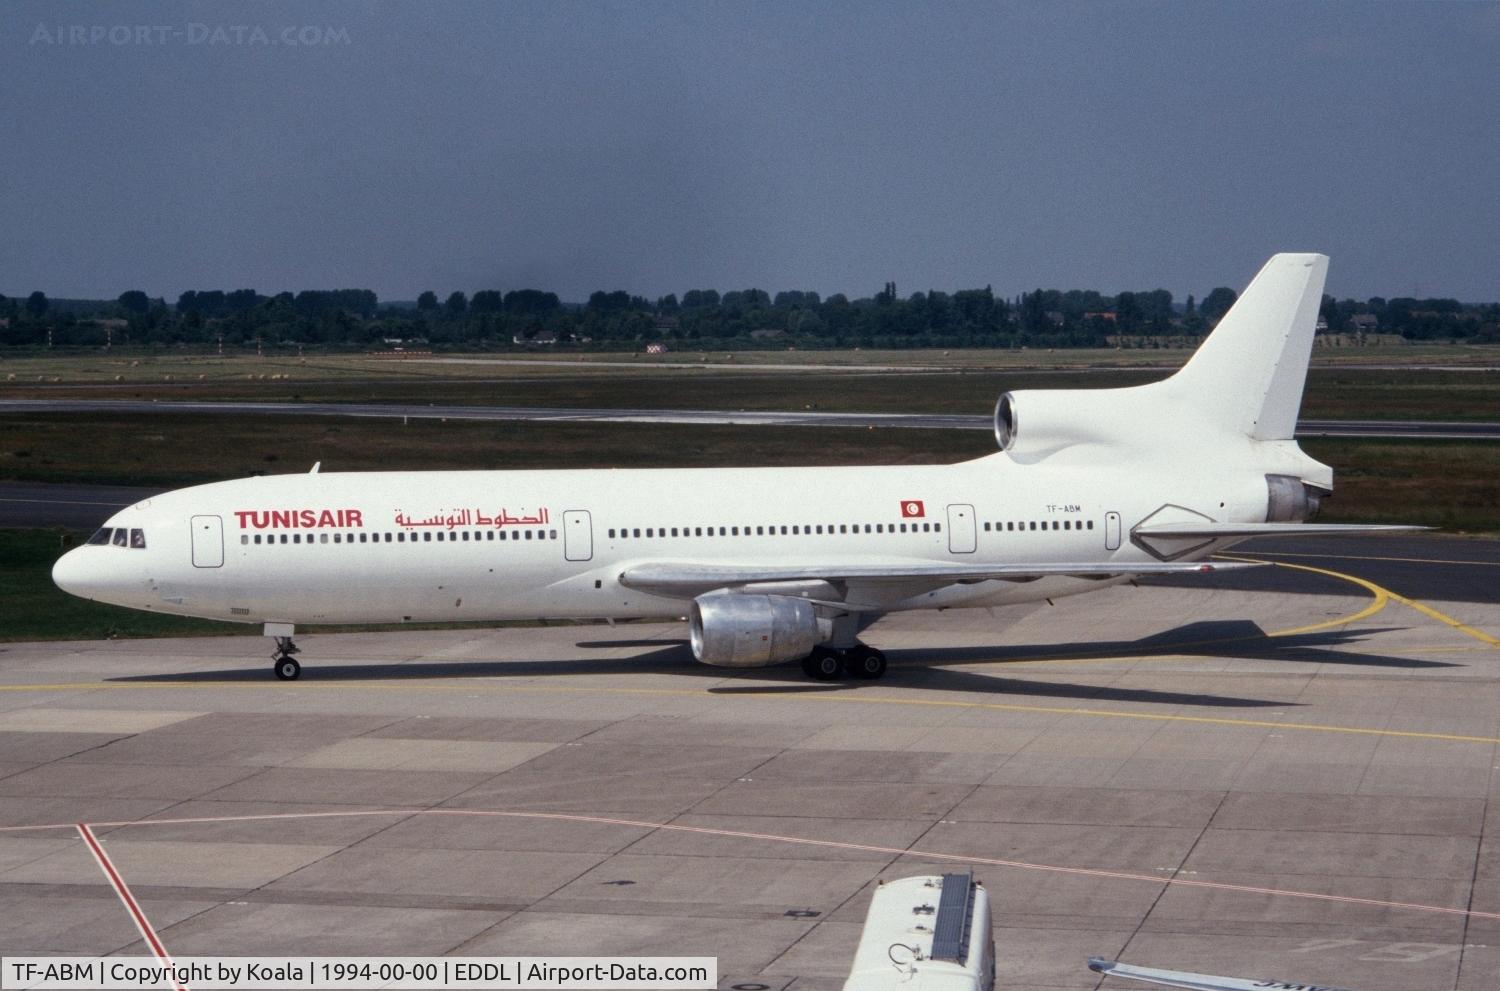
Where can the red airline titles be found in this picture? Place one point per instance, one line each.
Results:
(298, 519)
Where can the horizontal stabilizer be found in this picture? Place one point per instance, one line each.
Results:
(689, 580)
(1194, 982)
(1241, 530)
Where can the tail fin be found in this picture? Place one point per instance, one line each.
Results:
(1249, 374)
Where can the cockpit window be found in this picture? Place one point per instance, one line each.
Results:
(120, 536)
(101, 536)
(138, 539)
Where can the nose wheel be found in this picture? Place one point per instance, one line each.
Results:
(282, 662)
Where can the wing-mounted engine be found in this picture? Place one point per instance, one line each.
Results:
(736, 630)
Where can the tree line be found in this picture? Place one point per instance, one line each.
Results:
(707, 318)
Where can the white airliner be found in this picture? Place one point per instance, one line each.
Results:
(1090, 487)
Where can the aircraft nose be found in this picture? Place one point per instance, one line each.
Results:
(70, 573)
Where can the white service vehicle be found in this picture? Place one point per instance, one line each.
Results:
(1089, 488)
(926, 933)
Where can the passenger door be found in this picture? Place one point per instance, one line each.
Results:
(962, 538)
(578, 535)
(208, 541)
(1111, 531)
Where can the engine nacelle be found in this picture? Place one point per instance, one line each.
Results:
(1291, 500)
(732, 630)
(1035, 423)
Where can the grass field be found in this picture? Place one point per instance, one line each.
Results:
(1451, 484)
(1345, 391)
(178, 449)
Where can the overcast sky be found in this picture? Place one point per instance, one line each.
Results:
(659, 147)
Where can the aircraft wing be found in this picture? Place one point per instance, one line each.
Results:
(687, 580)
(1237, 530)
(1197, 982)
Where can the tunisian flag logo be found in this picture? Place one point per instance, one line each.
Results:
(912, 507)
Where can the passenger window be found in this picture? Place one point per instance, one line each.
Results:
(528, 534)
(1091, 524)
(102, 535)
(611, 535)
(427, 538)
(551, 534)
(401, 538)
(674, 531)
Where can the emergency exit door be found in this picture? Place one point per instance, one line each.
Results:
(962, 538)
(208, 542)
(578, 535)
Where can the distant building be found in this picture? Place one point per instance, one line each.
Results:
(1108, 315)
(656, 347)
(1364, 323)
(540, 337)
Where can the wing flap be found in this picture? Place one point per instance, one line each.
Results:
(687, 580)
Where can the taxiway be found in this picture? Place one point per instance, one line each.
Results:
(1418, 429)
(1298, 781)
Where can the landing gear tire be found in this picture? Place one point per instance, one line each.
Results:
(865, 662)
(822, 665)
(282, 661)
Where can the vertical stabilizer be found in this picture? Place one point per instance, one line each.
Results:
(1248, 375)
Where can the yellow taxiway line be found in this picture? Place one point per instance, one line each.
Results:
(1381, 597)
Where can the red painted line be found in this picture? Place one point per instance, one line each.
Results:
(1165, 881)
(123, 890)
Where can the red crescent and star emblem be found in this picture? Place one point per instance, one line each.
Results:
(912, 507)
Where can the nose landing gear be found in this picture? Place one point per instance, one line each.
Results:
(282, 661)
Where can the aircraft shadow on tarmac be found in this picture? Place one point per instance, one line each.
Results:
(910, 667)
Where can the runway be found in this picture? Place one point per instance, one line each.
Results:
(1425, 430)
(1296, 782)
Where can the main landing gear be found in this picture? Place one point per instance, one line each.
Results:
(282, 661)
(829, 663)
